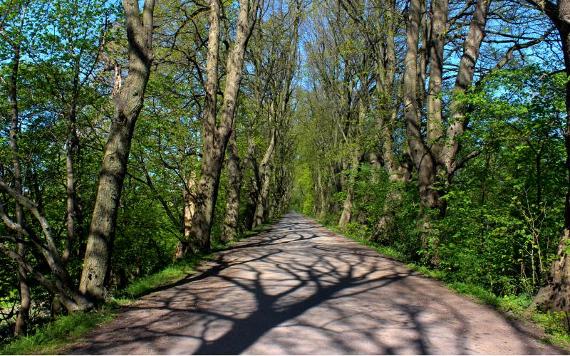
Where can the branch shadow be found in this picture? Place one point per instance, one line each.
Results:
(294, 289)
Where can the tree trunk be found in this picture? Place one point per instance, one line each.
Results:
(463, 81)
(206, 196)
(72, 148)
(24, 290)
(189, 197)
(207, 187)
(189, 203)
(234, 188)
(323, 197)
(128, 102)
(438, 33)
(346, 215)
(421, 156)
(216, 137)
(264, 175)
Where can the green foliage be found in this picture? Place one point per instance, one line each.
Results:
(504, 207)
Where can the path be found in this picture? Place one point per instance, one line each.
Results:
(300, 289)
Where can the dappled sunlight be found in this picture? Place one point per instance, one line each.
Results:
(297, 288)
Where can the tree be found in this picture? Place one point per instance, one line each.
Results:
(216, 135)
(128, 100)
(24, 289)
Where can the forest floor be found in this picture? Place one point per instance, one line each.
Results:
(298, 288)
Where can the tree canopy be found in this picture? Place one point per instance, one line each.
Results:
(138, 133)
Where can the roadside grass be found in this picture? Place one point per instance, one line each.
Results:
(169, 275)
(51, 337)
(54, 336)
(519, 306)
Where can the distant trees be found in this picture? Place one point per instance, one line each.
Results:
(433, 78)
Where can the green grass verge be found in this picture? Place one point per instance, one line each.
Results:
(51, 337)
(54, 336)
(169, 275)
(518, 306)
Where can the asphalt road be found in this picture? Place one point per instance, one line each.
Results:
(298, 288)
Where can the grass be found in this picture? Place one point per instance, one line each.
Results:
(54, 336)
(519, 306)
(169, 275)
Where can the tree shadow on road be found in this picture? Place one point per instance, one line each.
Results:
(308, 292)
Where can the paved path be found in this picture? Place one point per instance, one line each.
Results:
(300, 289)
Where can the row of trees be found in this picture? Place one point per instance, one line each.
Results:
(441, 129)
(119, 119)
(138, 133)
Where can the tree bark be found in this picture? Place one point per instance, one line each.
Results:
(421, 156)
(463, 81)
(264, 176)
(189, 197)
(435, 129)
(128, 102)
(216, 136)
(346, 215)
(234, 188)
(189, 203)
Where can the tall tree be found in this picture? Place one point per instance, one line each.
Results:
(234, 167)
(216, 133)
(24, 289)
(128, 100)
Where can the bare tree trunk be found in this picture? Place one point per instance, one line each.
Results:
(128, 102)
(323, 201)
(346, 215)
(189, 197)
(189, 203)
(264, 175)
(435, 129)
(234, 189)
(216, 136)
(422, 158)
(462, 83)
(72, 148)
(24, 289)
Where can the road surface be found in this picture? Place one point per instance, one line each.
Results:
(298, 288)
